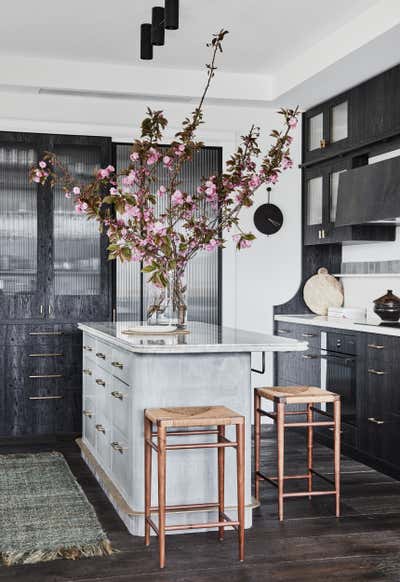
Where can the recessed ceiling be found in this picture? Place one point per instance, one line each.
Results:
(264, 34)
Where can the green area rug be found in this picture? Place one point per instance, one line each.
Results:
(44, 514)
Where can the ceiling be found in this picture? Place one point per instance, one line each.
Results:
(264, 34)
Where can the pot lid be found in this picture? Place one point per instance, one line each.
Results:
(388, 298)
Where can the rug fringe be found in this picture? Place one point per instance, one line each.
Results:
(101, 548)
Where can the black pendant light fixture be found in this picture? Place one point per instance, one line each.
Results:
(146, 48)
(153, 34)
(172, 14)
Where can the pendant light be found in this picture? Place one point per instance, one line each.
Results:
(158, 26)
(146, 48)
(172, 14)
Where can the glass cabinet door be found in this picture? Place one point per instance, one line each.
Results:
(78, 274)
(314, 213)
(339, 122)
(315, 131)
(20, 282)
(333, 191)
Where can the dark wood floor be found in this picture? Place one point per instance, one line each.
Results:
(311, 544)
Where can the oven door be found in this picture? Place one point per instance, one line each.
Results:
(338, 374)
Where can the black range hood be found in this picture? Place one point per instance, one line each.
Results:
(370, 194)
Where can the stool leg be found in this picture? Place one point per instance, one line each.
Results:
(336, 416)
(161, 436)
(240, 469)
(147, 479)
(221, 481)
(257, 443)
(280, 421)
(309, 447)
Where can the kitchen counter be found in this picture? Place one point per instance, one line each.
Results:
(338, 323)
(125, 374)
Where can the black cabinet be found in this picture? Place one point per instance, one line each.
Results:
(53, 273)
(321, 183)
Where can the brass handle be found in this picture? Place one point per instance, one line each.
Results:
(45, 333)
(307, 357)
(376, 347)
(376, 421)
(100, 428)
(117, 365)
(88, 349)
(88, 413)
(322, 144)
(117, 447)
(46, 376)
(87, 371)
(50, 310)
(100, 382)
(46, 355)
(323, 233)
(41, 310)
(376, 372)
(308, 334)
(117, 394)
(320, 234)
(100, 355)
(46, 397)
(283, 331)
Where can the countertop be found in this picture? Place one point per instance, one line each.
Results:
(338, 323)
(203, 338)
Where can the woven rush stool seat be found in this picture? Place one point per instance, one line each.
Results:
(282, 396)
(186, 418)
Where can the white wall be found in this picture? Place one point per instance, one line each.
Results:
(254, 279)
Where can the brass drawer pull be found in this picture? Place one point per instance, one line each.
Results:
(100, 355)
(88, 349)
(46, 355)
(46, 376)
(87, 413)
(46, 397)
(376, 372)
(100, 428)
(376, 347)
(117, 394)
(376, 421)
(308, 334)
(117, 365)
(45, 333)
(117, 447)
(100, 382)
(87, 371)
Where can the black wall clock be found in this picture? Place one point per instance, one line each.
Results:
(268, 218)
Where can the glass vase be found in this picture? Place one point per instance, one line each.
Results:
(172, 308)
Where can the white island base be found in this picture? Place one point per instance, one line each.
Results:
(125, 375)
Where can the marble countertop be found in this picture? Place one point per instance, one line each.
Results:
(203, 338)
(337, 323)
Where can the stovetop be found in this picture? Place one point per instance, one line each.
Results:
(395, 324)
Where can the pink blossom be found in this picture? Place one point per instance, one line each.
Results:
(136, 256)
(110, 169)
(132, 211)
(76, 190)
(42, 164)
(130, 179)
(254, 181)
(154, 156)
(81, 207)
(287, 163)
(162, 190)
(134, 156)
(68, 195)
(273, 178)
(211, 245)
(167, 161)
(102, 174)
(242, 242)
(36, 179)
(289, 139)
(114, 191)
(292, 122)
(159, 228)
(177, 198)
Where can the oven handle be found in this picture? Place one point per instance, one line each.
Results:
(345, 359)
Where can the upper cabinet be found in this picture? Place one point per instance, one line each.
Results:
(327, 128)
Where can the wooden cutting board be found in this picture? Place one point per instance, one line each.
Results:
(322, 291)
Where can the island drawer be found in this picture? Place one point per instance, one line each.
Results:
(102, 354)
(120, 404)
(120, 462)
(121, 364)
(103, 439)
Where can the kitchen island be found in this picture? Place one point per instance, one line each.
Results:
(124, 374)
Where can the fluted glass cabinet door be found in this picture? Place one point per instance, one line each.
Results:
(21, 286)
(78, 275)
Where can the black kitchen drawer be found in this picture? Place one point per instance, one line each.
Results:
(342, 343)
(41, 335)
(307, 333)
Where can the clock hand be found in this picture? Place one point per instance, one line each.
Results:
(274, 222)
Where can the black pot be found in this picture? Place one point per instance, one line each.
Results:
(388, 307)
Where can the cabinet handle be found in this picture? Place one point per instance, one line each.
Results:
(308, 334)
(323, 233)
(46, 355)
(117, 394)
(88, 349)
(117, 365)
(322, 144)
(100, 382)
(376, 372)
(46, 397)
(41, 310)
(87, 371)
(319, 234)
(46, 376)
(376, 347)
(117, 447)
(50, 310)
(308, 357)
(88, 413)
(100, 428)
(283, 331)
(45, 333)
(100, 355)
(376, 421)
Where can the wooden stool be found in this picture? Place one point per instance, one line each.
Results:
(308, 395)
(192, 416)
